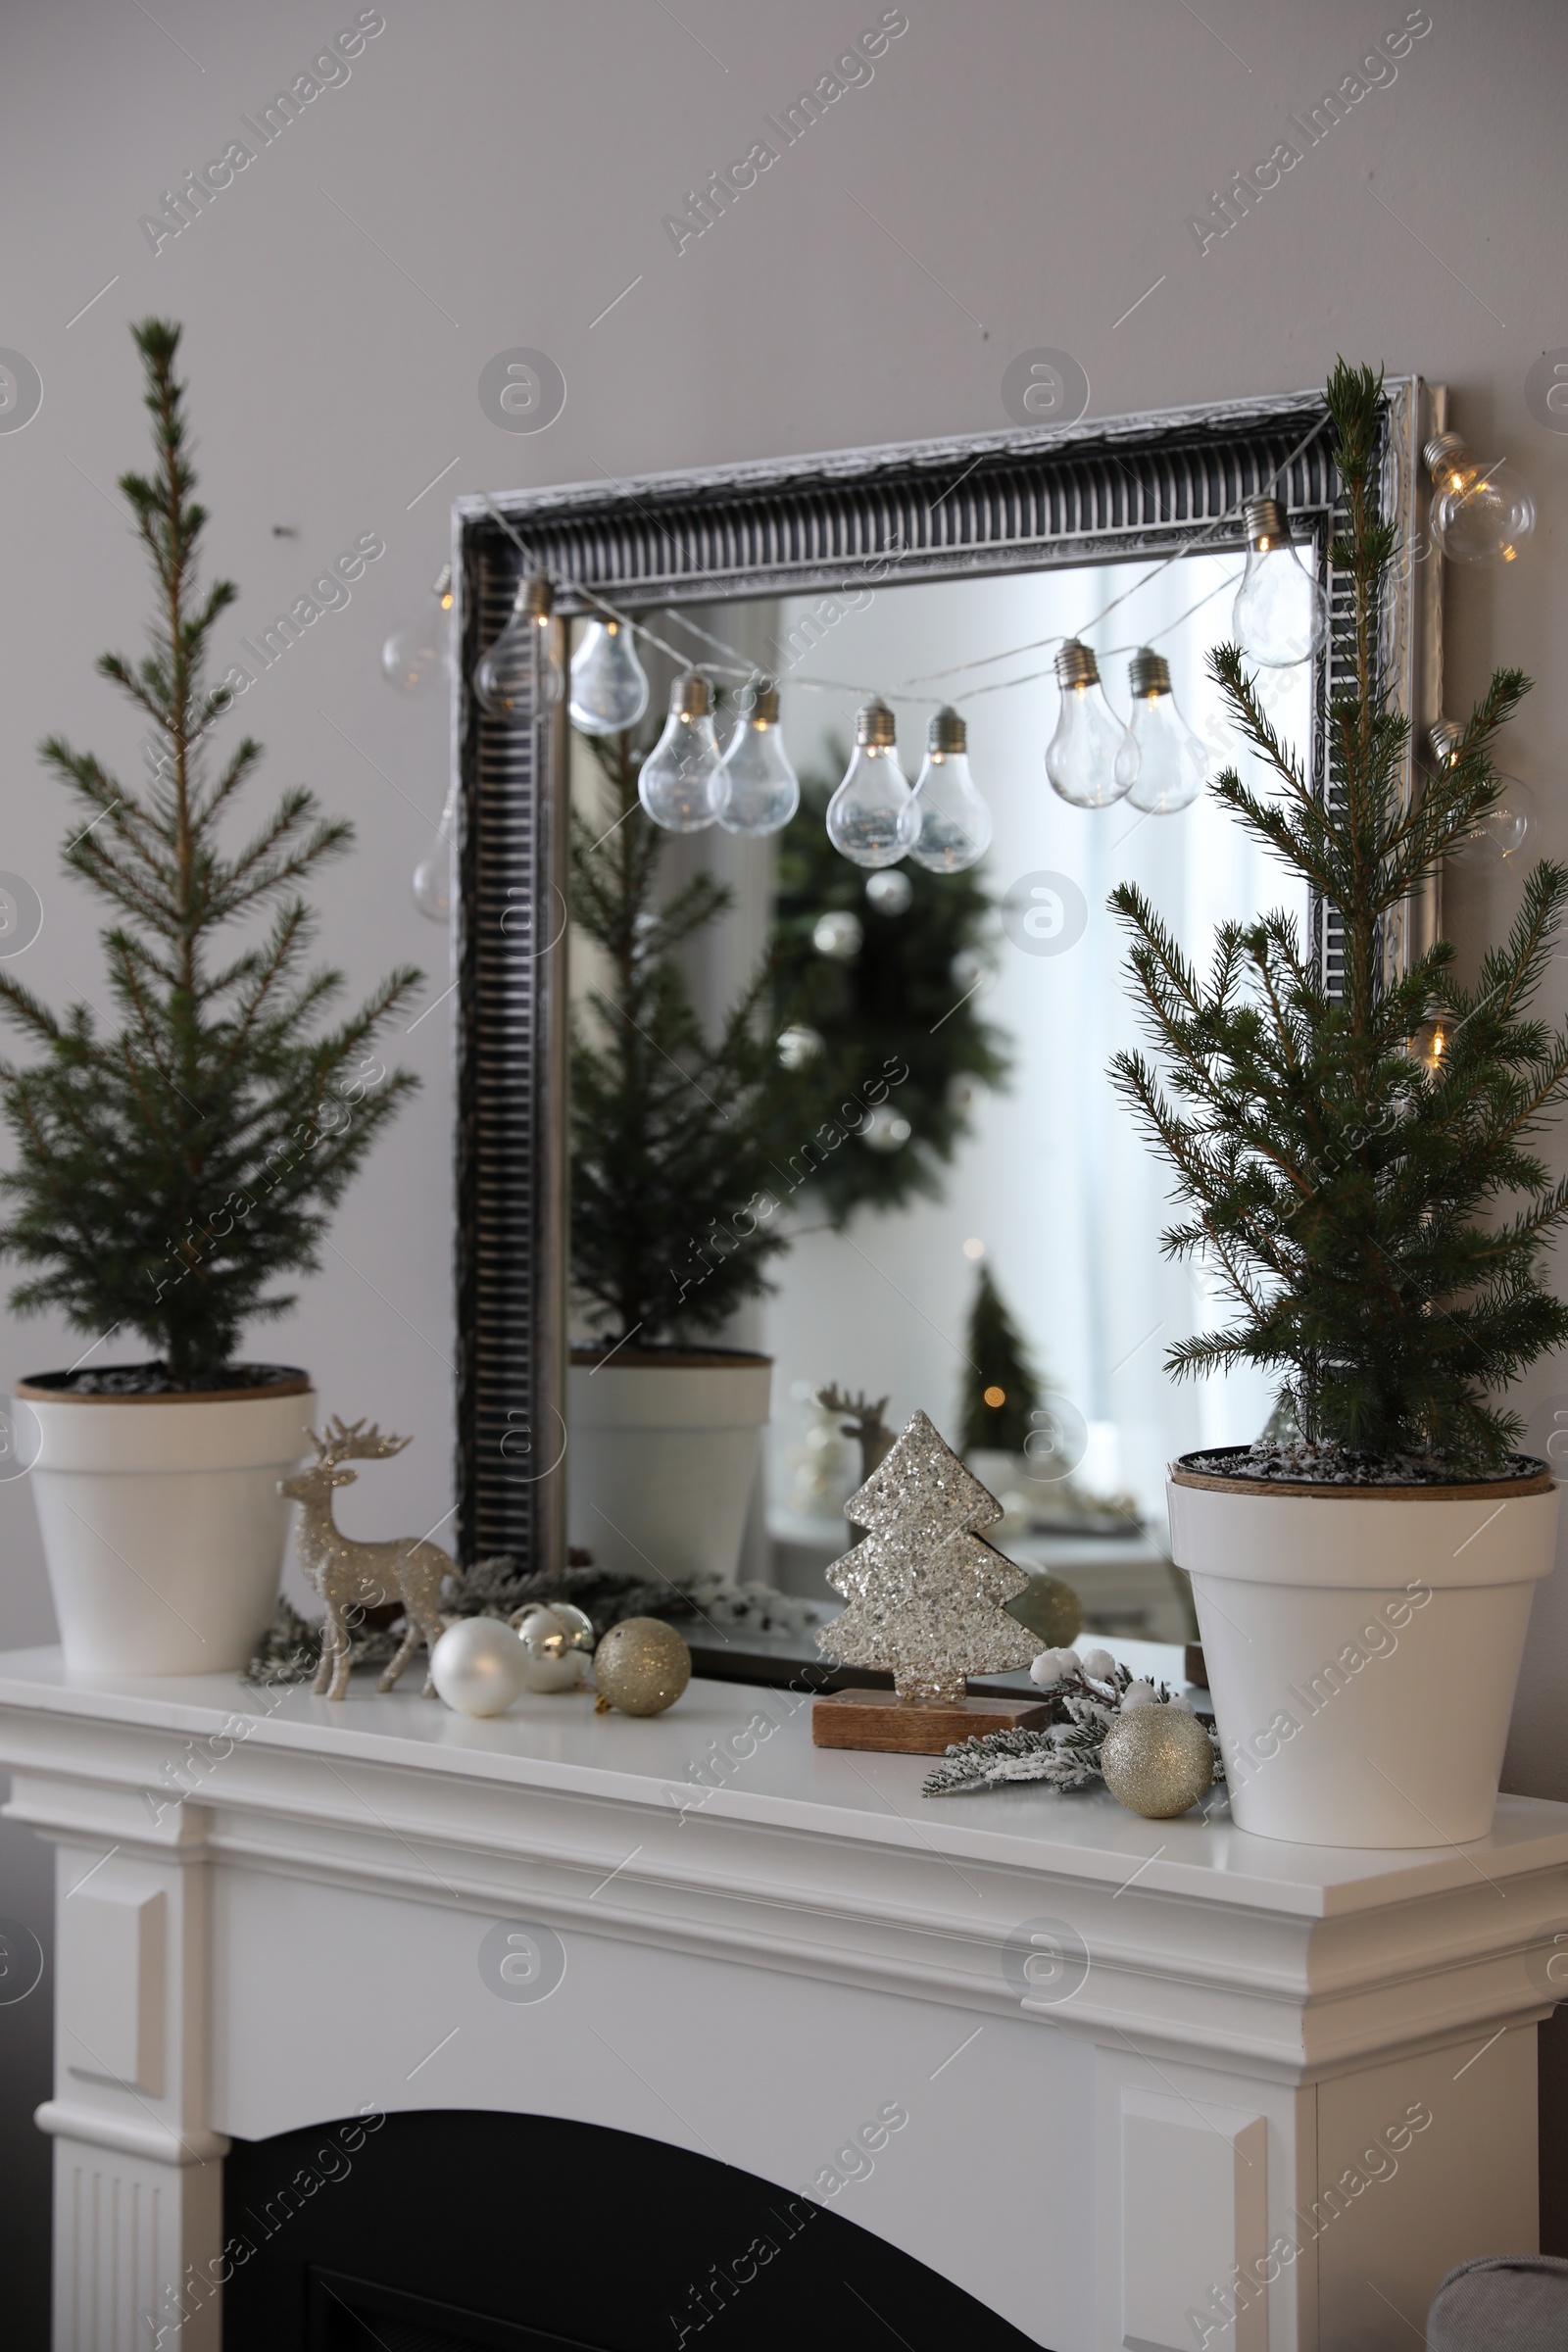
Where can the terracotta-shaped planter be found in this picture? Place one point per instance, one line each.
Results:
(163, 1526)
(1362, 1645)
(662, 1453)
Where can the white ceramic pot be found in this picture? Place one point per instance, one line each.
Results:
(1362, 1646)
(662, 1453)
(163, 1526)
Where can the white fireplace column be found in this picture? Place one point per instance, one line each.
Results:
(1162, 2085)
(137, 2169)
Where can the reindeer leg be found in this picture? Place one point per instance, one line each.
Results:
(410, 1642)
(432, 1628)
(324, 1671)
(341, 1655)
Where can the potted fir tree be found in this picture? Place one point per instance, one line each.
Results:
(685, 1153)
(1358, 1173)
(168, 1167)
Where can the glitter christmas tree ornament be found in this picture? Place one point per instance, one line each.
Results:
(926, 1600)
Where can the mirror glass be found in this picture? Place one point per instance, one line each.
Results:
(981, 1233)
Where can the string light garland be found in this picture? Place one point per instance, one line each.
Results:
(874, 818)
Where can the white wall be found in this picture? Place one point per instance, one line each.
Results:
(494, 175)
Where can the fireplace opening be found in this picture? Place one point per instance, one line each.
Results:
(466, 2232)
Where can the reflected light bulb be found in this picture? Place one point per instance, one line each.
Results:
(608, 684)
(1280, 616)
(1173, 760)
(756, 790)
(1091, 758)
(1480, 512)
(952, 822)
(1503, 830)
(418, 655)
(521, 664)
(432, 876)
(677, 779)
(871, 819)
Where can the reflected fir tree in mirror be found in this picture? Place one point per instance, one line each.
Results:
(906, 995)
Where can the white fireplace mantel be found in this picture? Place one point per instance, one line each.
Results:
(1164, 2083)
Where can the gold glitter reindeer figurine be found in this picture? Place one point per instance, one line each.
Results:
(349, 1574)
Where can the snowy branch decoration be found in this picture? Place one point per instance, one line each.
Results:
(1090, 1694)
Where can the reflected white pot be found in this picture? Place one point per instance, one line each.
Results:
(163, 1526)
(662, 1453)
(1362, 1647)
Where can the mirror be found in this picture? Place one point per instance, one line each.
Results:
(943, 572)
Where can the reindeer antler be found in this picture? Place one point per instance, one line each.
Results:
(859, 1404)
(352, 1442)
(865, 1424)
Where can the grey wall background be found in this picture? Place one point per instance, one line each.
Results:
(492, 176)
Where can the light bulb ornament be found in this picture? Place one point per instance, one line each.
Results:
(1502, 828)
(1091, 758)
(676, 783)
(1281, 614)
(519, 677)
(1480, 512)
(870, 818)
(756, 790)
(952, 822)
(608, 684)
(416, 656)
(1173, 760)
(433, 877)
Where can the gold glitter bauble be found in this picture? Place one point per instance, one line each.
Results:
(640, 1666)
(1157, 1761)
(1051, 1609)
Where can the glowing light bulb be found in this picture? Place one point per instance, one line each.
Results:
(1173, 760)
(952, 822)
(417, 657)
(433, 893)
(1481, 513)
(1091, 758)
(608, 684)
(871, 819)
(678, 776)
(1430, 1043)
(1280, 616)
(756, 790)
(1503, 830)
(519, 676)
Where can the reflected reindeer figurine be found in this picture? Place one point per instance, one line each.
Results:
(351, 1575)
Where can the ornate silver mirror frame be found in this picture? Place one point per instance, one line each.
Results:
(1150, 487)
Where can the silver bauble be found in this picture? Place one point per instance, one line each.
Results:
(640, 1666)
(478, 1665)
(558, 1641)
(1157, 1761)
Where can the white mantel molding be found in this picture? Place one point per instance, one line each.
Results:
(1235, 1992)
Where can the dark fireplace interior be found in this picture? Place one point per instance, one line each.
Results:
(466, 2232)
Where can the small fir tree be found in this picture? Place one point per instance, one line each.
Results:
(1357, 1166)
(680, 1147)
(896, 1003)
(926, 1595)
(169, 1169)
(1001, 1390)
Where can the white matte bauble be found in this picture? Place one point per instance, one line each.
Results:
(558, 1641)
(479, 1666)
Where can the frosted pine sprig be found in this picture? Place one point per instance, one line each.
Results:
(1089, 1696)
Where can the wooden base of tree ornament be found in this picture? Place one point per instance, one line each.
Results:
(906, 1727)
